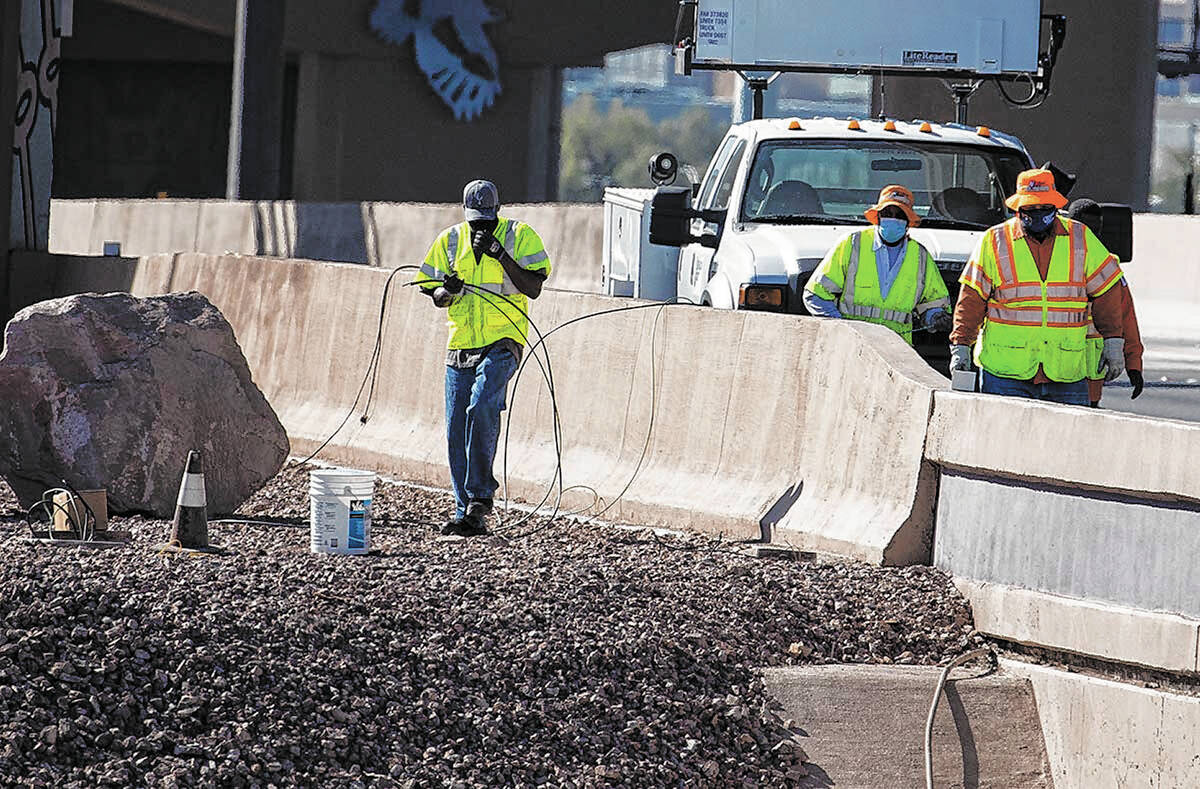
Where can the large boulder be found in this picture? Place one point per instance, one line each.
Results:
(111, 391)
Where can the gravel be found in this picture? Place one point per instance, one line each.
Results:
(582, 655)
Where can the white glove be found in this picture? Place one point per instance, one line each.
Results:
(960, 357)
(1112, 361)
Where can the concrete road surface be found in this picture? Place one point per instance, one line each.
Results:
(1171, 334)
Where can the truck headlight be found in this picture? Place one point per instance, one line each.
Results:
(762, 297)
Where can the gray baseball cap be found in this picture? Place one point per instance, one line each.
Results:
(481, 200)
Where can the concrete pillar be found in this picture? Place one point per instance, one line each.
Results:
(10, 31)
(545, 135)
(256, 123)
(1099, 119)
(10, 56)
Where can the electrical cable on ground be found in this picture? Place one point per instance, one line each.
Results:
(82, 522)
(546, 368)
(372, 366)
(937, 696)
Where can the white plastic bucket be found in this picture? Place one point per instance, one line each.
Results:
(340, 507)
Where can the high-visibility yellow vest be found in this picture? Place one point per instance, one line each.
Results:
(477, 320)
(849, 276)
(1030, 322)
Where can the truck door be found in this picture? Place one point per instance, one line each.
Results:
(694, 259)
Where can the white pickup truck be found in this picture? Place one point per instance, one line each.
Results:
(779, 193)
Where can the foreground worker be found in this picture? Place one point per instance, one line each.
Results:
(1088, 212)
(1033, 279)
(880, 275)
(484, 271)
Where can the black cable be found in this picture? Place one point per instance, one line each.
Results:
(645, 448)
(372, 366)
(1036, 97)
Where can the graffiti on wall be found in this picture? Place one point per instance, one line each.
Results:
(452, 48)
(34, 122)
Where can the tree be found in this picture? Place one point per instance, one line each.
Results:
(612, 147)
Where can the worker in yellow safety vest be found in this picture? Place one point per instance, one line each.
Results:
(1026, 292)
(483, 273)
(880, 275)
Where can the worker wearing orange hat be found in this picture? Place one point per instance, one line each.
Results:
(880, 275)
(1025, 297)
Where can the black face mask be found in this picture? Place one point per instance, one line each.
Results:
(489, 225)
(1037, 220)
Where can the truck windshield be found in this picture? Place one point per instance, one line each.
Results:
(834, 181)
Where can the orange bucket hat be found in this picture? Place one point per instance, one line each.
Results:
(898, 196)
(1036, 187)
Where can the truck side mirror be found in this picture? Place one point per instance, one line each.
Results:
(671, 216)
(1116, 230)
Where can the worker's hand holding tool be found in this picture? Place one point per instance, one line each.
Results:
(938, 320)
(484, 243)
(1112, 360)
(443, 295)
(1139, 383)
(960, 357)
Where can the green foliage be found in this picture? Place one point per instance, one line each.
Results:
(612, 147)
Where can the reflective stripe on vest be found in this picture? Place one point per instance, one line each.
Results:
(1031, 322)
(849, 308)
(492, 307)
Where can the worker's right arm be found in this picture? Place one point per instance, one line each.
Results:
(974, 291)
(436, 273)
(827, 282)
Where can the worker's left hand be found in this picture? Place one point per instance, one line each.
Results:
(1112, 360)
(1139, 383)
(485, 243)
(938, 320)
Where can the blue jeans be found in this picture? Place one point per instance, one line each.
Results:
(474, 401)
(1067, 394)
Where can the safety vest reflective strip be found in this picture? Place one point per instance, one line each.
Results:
(507, 288)
(849, 308)
(1064, 305)
(492, 307)
(1024, 316)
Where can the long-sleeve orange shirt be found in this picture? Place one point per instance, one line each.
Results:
(1133, 339)
(1107, 309)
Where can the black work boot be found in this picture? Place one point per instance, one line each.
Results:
(453, 528)
(474, 522)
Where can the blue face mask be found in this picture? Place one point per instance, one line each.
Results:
(892, 230)
(1037, 220)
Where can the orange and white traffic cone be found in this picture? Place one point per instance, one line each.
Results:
(189, 529)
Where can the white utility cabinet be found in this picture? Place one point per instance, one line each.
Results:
(632, 265)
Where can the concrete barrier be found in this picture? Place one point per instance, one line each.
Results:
(1078, 508)
(1165, 264)
(380, 234)
(758, 436)
(71, 227)
(1102, 734)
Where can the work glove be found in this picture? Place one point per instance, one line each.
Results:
(960, 357)
(452, 284)
(1112, 360)
(484, 243)
(1135, 378)
(938, 320)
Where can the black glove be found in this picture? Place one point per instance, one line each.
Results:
(452, 284)
(1139, 382)
(484, 243)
